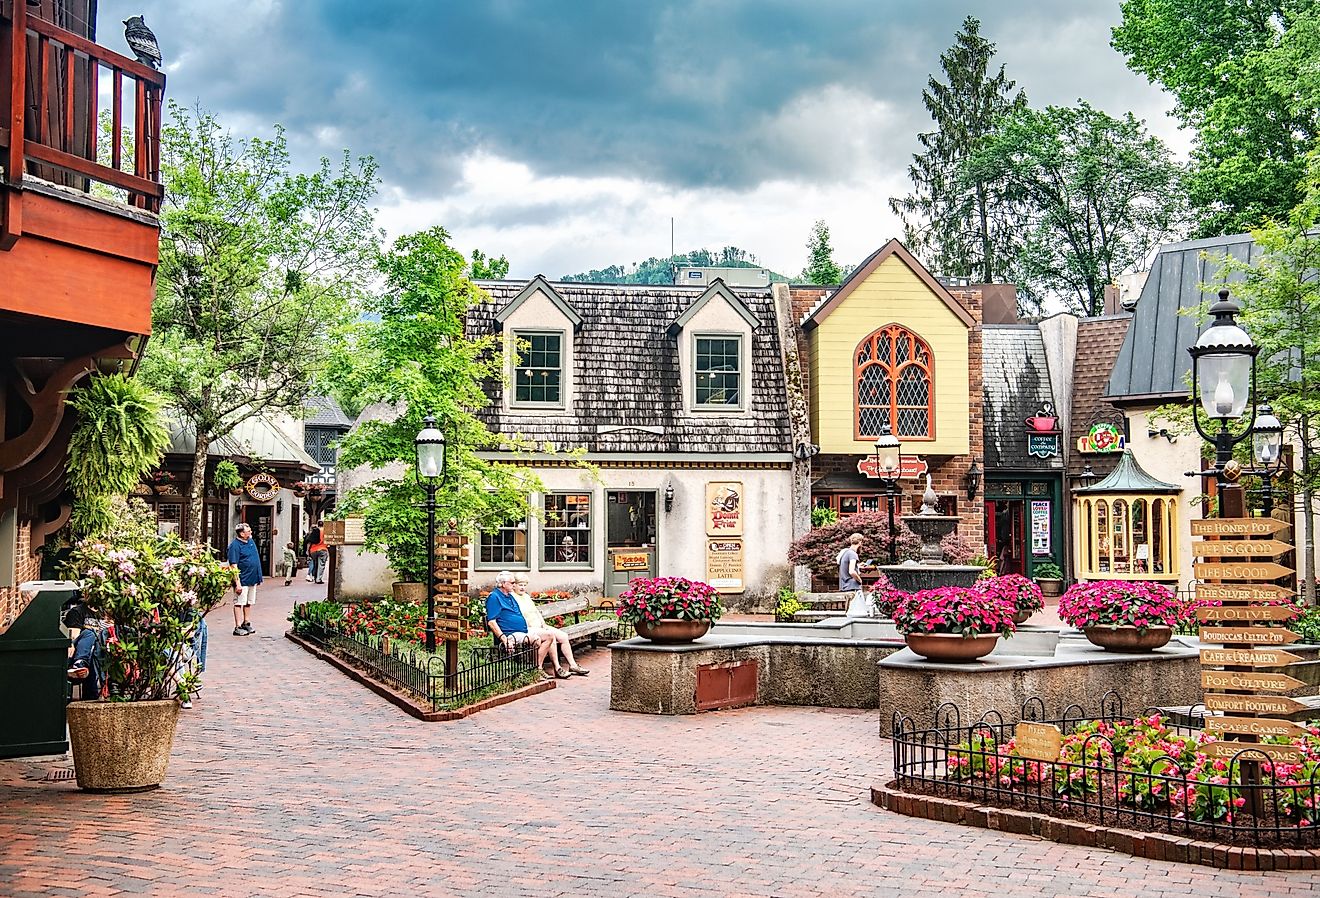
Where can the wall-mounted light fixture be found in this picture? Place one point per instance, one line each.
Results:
(669, 498)
(974, 474)
(1152, 433)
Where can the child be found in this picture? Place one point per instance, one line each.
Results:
(289, 566)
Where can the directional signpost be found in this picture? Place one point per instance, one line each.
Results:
(1248, 614)
(451, 598)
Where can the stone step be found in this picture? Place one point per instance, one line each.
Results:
(816, 616)
(823, 601)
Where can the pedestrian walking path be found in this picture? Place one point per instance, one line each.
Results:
(288, 779)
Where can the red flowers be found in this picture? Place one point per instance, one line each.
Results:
(968, 611)
(673, 597)
(1118, 603)
(1024, 594)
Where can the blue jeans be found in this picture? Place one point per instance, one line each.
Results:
(316, 566)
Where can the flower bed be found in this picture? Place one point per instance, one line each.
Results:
(650, 599)
(1141, 773)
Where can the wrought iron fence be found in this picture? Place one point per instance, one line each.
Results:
(1246, 799)
(424, 676)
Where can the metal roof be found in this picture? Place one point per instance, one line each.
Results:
(1153, 361)
(1129, 477)
(256, 438)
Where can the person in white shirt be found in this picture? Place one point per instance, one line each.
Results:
(536, 625)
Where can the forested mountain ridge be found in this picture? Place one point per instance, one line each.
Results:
(661, 271)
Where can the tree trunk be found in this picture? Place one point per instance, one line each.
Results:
(197, 487)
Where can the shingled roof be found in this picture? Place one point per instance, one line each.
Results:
(1098, 343)
(627, 395)
(1153, 362)
(1016, 384)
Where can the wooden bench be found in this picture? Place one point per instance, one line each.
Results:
(579, 630)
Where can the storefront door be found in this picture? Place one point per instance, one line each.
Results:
(1004, 520)
(259, 518)
(1023, 524)
(630, 538)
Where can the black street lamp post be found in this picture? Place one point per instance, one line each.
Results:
(888, 465)
(430, 468)
(1224, 372)
(1267, 450)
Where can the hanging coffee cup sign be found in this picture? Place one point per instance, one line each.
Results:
(262, 486)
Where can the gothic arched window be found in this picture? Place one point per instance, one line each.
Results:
(895, 379)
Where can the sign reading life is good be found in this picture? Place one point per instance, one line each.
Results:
(1038, 741)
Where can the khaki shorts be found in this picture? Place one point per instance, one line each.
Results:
(246, 596)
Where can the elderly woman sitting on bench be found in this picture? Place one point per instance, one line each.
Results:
(506, 622)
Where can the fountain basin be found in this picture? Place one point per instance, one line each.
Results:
(913, 576)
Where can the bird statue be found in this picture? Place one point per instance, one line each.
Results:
(142, 41)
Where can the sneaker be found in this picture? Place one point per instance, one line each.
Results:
(309, 579)
(320, 581)
(186, 705)
(287, 582)
(247, 625)
(239, 631)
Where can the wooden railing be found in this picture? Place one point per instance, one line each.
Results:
(54, 110)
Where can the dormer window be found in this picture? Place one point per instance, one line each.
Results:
(718, 372)
(538, 372)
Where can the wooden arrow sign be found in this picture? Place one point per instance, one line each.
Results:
(1256, 682)
(1239, 548)
(1254, 726)
(1243, 570)
(1253, 704)
(1254, 635)
(1251, 751)
(1238, 527)
(1248, 657)
(1245, 613)
(1242, 592)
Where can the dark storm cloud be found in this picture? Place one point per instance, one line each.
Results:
(689, 93)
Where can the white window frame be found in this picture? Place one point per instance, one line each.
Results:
(743, 374)
(524, 334)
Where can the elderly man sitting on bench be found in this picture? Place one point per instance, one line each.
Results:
(507, 624)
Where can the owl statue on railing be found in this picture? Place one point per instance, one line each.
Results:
(142, 41)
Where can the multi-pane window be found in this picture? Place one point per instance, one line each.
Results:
(566, 536)
(894, 383)
(539, 370)
(718, 371)
(505, 546)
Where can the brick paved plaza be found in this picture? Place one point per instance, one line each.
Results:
(288, 780)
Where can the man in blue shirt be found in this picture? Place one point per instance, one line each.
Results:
(506, 622)
(246, 560)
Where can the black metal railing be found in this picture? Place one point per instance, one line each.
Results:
(422, 675)
(1247, 798)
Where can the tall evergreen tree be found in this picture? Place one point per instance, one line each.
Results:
(957, 231)
(821, 267)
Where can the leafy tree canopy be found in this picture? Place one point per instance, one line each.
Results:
(661, 271)
(821, 267)
(487, 269)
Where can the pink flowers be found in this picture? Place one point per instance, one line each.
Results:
(1024, 594)
(967, 611)
(672, 597)
(1118, 603)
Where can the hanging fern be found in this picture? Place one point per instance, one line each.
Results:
(119, 436)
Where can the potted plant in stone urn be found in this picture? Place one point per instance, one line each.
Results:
(1049, 577)
(145, 595)
(669, 610)
(1023, 594)
(954, 623)
(1121, 616)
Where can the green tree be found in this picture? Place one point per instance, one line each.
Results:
(1280, 297)
(258, 265)
(821, 267)
(413, 357)
(661, 271)
(487, 269)
(1238, 71)
(961, 228)
(1097, 193)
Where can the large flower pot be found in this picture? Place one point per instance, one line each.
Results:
(950, 646)
(671, 630)
(1049, 587)
(121, 746)
(1021, 617)
(1128, 639)
(409, 592)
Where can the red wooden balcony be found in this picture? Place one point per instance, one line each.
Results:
(79, 176)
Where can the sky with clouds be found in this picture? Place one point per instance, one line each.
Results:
(567, 133)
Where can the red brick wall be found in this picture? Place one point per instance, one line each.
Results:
(804, 299)
(12, 602)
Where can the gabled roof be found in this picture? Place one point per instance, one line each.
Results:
(1153, 362)
(627, 388)
(324, 411)
(1016, 385)
(894, 247)
(539, 283)
(1129, 477)
(256, 438)
(716, 288)
(1098, 343)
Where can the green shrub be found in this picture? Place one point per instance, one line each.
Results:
(790, 603)
(823, 517)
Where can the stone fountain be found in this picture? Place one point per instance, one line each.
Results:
(930, 571)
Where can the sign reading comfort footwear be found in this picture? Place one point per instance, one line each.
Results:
(724, 564)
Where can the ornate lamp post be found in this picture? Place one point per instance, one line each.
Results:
(430, 444)
(888, 463)
(1267, 450)
(1224, 372)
